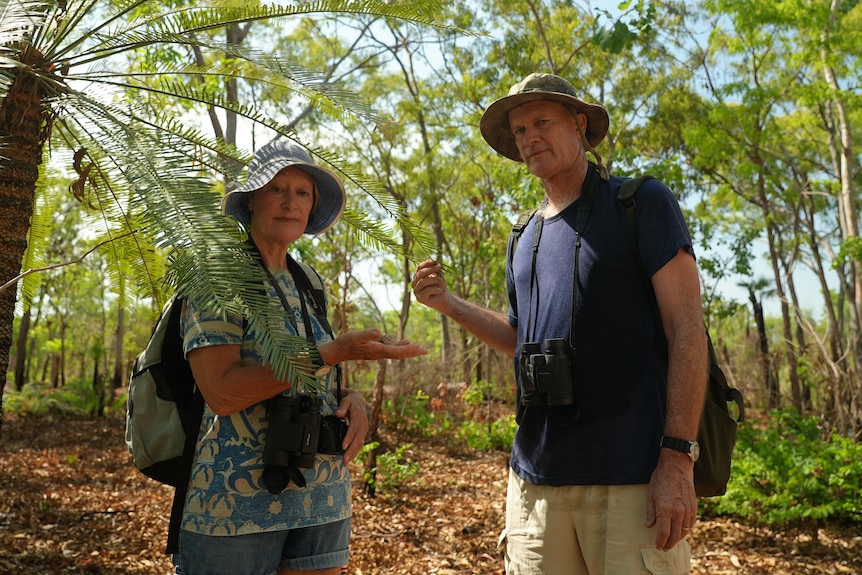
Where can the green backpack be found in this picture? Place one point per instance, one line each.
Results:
(717, 432)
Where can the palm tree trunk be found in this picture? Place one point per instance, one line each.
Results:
(21, 138)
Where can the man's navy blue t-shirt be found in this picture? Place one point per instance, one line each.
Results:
(611, 435)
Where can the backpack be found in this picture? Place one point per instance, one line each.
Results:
(717, 432)
(165, 407)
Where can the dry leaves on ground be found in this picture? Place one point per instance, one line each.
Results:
(71, 503)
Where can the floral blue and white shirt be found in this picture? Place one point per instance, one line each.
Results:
(226, 496)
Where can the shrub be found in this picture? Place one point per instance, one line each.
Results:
(498, 434)
(413, 413)
(786, 473)
(392, 470)
(77, 398)
(42, 399)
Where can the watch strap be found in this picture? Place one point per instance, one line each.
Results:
(683, 445)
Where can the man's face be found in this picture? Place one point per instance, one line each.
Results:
(547, 137)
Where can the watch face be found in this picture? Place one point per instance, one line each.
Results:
(695, 451)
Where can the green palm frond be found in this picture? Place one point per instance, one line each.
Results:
(264, 68)
(178, 211)
(154, 179)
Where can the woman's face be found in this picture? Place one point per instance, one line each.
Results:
(280, 209)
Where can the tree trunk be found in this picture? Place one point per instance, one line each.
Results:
(21, 129)
(789, 254)
(98, 389)
(21, 351)
(373, 428)
(849, 217)
(770, 383)
(775, 258)
(843, 155)
(119, 364)
(55, 370)
(62, 356)
(801, 397)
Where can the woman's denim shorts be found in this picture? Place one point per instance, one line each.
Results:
(319, 547)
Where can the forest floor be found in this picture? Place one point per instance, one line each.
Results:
(72, 503)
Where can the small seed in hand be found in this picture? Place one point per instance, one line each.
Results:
(388, 339)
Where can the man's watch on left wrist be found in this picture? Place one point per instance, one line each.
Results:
(690, 448)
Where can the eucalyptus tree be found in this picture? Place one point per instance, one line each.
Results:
(64, 85)
(775, 133)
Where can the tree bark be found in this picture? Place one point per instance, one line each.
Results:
(373, 428)
(770, 383)
(21, 130)
(21, 351)
(119, 364)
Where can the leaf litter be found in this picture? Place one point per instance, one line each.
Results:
(71, 502)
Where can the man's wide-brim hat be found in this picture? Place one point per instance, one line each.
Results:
(495, 122)
(270, 160)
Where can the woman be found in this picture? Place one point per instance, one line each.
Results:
(237, 519)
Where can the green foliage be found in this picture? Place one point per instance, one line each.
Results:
(786, 473)
(622, 34)
(494, 435)
(851, 250)
(392, 470)
(484, 433)
(474, 395)
(77, 397)
(142, 163)
(414, 415)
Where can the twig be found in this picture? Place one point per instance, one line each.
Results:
(89, 514)
(77, 260)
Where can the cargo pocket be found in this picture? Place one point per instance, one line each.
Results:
(677, 561)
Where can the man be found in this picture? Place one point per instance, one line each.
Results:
(601, 478)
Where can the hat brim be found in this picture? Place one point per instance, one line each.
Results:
(495, 128)
(330, 204)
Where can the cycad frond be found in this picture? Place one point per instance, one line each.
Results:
(179, 213)
(150, 176)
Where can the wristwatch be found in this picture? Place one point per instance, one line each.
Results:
(690, 448)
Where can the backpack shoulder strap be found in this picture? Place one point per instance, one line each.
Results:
(626, 195)
(518, 229)
(317, 289)
(192, 426)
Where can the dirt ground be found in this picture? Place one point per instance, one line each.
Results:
(72, 503)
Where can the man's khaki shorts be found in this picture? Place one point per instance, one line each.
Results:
(584, 530)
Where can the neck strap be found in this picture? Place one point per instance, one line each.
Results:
(585, 203)
(306, 291)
